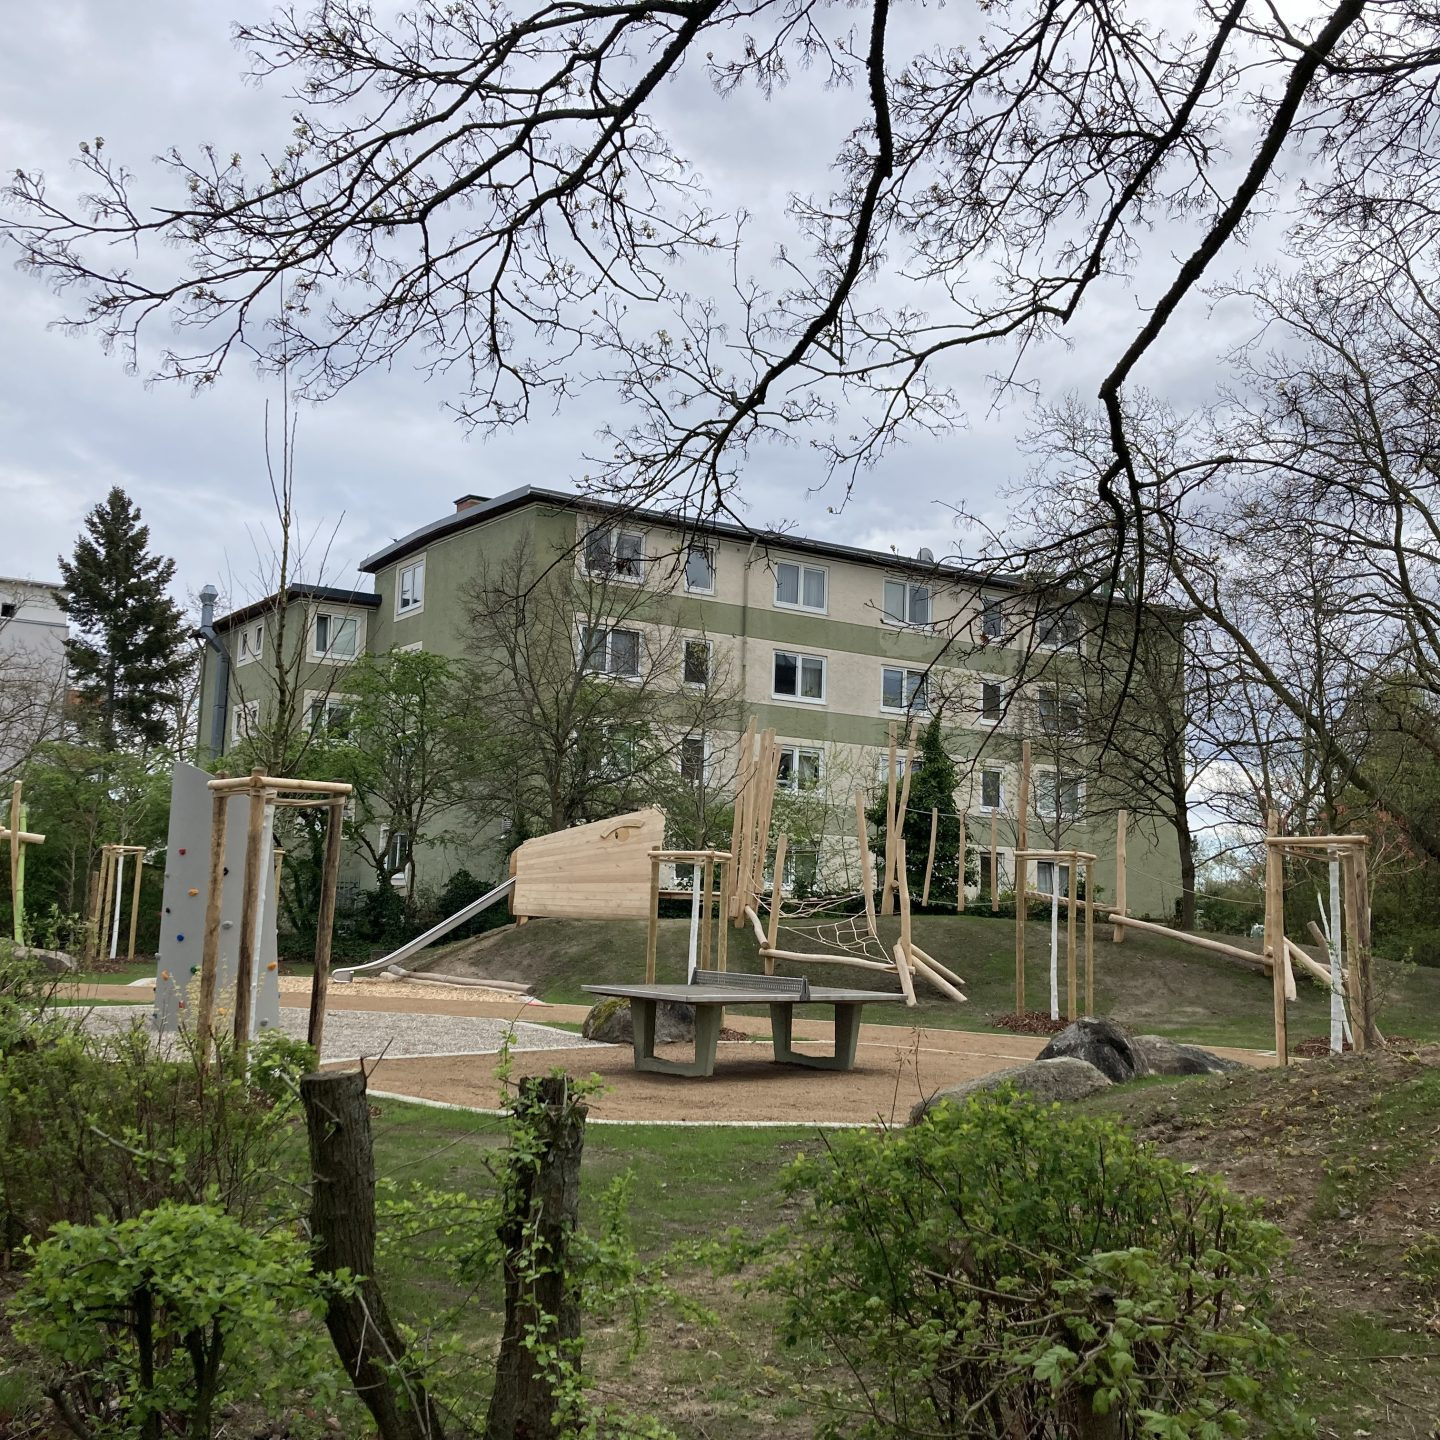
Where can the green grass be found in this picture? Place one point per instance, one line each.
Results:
(122, 975)
(1151, 983)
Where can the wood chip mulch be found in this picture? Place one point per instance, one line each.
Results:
(1317, 1047)
(1028, 1022)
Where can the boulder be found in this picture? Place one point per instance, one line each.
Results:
(1065, 1078)
(1159, 1056)
(53, 962)
(610, 1022)
(1099, 1043)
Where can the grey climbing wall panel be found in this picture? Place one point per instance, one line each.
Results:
(182, 919)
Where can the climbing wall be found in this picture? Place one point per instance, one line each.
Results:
(182, 921)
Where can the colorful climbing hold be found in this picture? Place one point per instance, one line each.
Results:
(182, 849)
(193, 891)
(164, 974)
(271, 965)
(194, 969)
(180, 939)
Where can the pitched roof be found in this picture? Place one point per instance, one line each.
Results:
(297, 592)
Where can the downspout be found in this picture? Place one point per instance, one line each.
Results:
(207, 633)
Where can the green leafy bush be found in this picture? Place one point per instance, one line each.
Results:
(152, 1325)
(277, 1061)
(1006, 1270)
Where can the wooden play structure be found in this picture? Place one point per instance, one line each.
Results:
(18, 838)
(107, 901)
(852, 939)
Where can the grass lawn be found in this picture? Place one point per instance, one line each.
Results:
(1342, 1153)
(1150, 982)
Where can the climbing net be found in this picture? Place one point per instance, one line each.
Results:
(849, 933)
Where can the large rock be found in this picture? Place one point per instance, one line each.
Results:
(1047, 1080)
(610, 1022)
(53, 962)
(1099, 1043)
(1159, 1056)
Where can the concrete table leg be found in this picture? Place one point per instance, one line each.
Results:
(847, 1036)
(707, 1036)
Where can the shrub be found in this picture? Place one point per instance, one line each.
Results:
(1004, 1269)
(152, 1324)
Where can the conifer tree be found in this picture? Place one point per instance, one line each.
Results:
(128, 661)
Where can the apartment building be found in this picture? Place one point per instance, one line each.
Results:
(33, 670)
(827, 643)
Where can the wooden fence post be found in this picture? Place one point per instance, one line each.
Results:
(1122, 824)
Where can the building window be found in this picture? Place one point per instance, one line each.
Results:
(700, 570)
(799, 677)
(412, 648)
(610, 652)
(902, 762)
(410, 589)
(906, 604)
(992, 702)
(903, 689)
(8, 610)
(799, 769)
(990, 791)
(697, 662)
(1045, 874)
(802, 871)
(988, 883)
(617, 554)
(800, 587)
(244, 721)
(337, 637)
(397, 852)
(252, 642)
(1058, 711)
(330, 716)
(692, 760)
(1057, 796)
(1058, 632)
(992, 618)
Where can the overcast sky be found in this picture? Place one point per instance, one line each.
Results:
(383, 458)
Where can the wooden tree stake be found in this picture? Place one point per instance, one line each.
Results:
(960, 881)
(1122, 825)
(210, 945)
(652, 927)
(887, 898)
(250, 906)
(325, 923)
(776, 886)
(930, 857)
(1070, 956)
(135, 903)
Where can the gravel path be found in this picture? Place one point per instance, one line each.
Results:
(350, 1034)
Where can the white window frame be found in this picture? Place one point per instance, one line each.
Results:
(690, 589)
(999, 807)
(326, 657)
(980, 716)
(1059, 619)
(921, 691)
(245, 653)
(709, 645)
(792, 786)
(417, 606)
(327, 698)
(787, 880)
(611, 571)
(992, 604)
(1063, 699)
(800, 657)
(1043, 771)
(1054, 867)
(902, 763)
(582, 651)
(907, 621)
(412, 648)
(798, 603)
(244, 720)
(704, 744)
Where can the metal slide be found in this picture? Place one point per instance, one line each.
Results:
(410, 947)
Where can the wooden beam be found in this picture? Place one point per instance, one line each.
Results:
(210, 943)
(1275, 936)
(1361, 962)
(722, 938)
(1122, 825)
(107, 863)
(930, 857)
(707, 900)
(960, 880)
(867, 867)
(994, 864)
(1022, 805)
(1071, 997)
(1260, 962)
(652, 926)
(1089, 938)
(279, 784)
(135, 905)
(776, 888)
(739, 828)
(935, 965)
(1022, 884)
(897, 878)
(325, 923)
(923, 968)
(902, 969)
(887, 899)
(251, 901)
(15, 842)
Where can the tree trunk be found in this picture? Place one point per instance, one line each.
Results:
(342, 1224)
(542, 1310)
(1186, 915)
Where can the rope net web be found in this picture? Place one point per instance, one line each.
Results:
(850, 934)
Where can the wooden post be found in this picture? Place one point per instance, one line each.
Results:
(325, 922)
(1122, 825)
(1090, 937)
(135, 902)
(1022, 807)
(722, 937)
(904, 947)
(930, 858)
(1070, 919)
(107, 883)
(652, 929)
(994, 864)
(960, 881)
(1022, 883)
(1360, 961)
(867, 869)
(92, 901)
(250, 902)
(740, 824)
(904, 803)
(887, 899)
(707, 886)
(776, 886)
(15, 827)
(342, 1226)
(210, 945)
(1275, 934)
